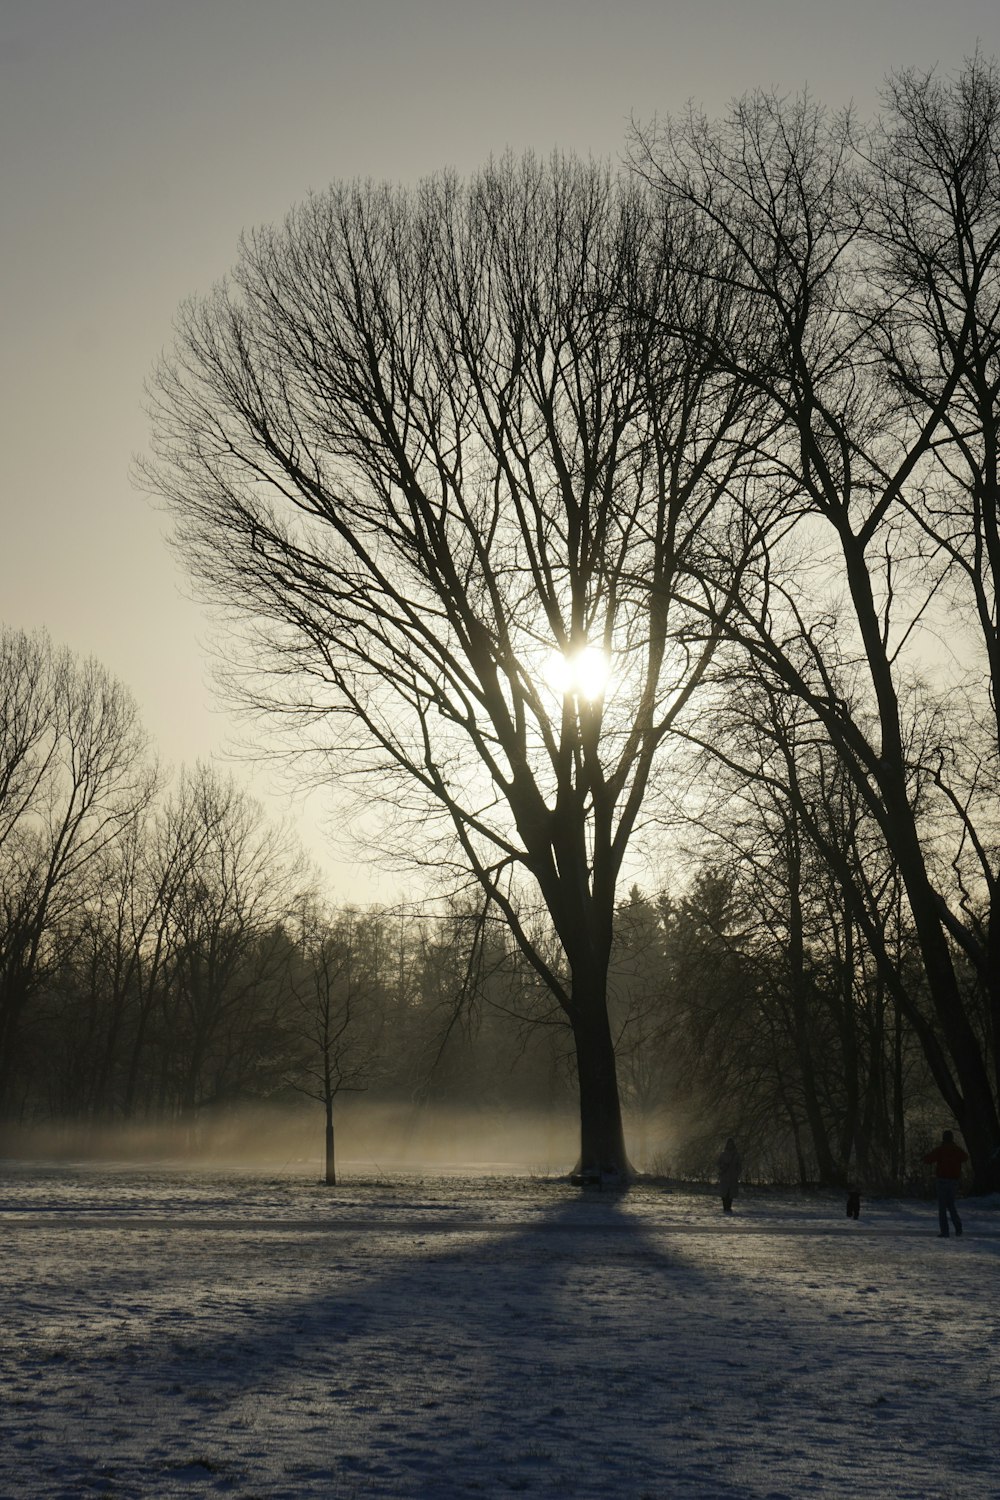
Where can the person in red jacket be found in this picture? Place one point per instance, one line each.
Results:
(947, 1159)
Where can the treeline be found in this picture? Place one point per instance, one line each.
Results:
(166, 951)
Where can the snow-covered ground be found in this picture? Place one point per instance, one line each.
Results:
(168, 1333)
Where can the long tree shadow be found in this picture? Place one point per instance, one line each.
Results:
(582, 1354)
(406, 1361)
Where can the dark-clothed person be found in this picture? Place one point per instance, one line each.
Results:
(729, 1175)
(947, 1161)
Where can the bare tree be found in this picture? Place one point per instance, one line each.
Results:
(175, 843)
(73, 778)
(835, 946)
(28, 673)
(871, 263)
(227, 966)
(330, 993)
(457, 459)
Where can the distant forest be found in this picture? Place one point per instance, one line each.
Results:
(166, 952)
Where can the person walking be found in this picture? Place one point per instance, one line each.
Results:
(729, 1175)
(947, 1159)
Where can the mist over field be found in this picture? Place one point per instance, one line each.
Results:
(373, 1139)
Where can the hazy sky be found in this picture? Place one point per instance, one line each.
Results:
(137, 139)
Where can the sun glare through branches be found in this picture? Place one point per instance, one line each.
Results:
(583, 673)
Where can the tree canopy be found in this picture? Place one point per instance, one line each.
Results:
(435, 446)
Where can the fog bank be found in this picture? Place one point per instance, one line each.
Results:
(372, 1139)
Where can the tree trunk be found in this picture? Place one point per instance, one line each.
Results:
(802, 1015)
(13, 1001)
(331, 1170)
(602, 1138)
(976, 1111)
(829, 1173)
(898, 1105)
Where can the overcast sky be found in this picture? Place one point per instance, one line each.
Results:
(139, 137)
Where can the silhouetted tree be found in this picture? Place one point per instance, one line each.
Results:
(177, 841)
(428, 444)
(870, 265)
(835, 952)
(330, 989)
(222, 1001)
(73, 778)
(640, 1006)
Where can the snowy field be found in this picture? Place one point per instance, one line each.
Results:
(181, 1333)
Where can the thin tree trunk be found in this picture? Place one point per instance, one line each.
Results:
(331, 1170)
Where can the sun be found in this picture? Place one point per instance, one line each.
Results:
(582, 673)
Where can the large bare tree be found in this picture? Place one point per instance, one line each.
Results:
(458, 460)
